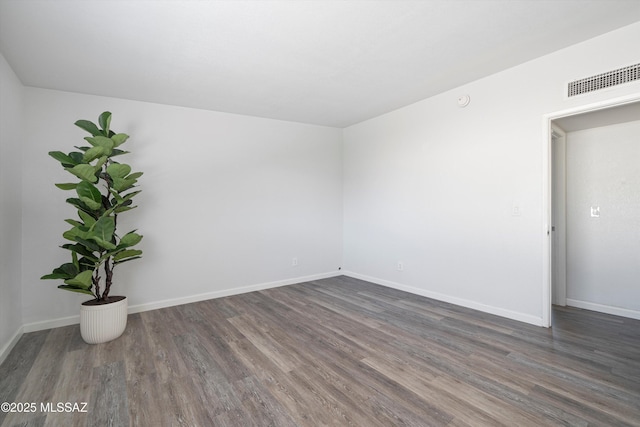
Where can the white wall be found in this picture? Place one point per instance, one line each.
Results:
(10, 207)
(603, 253)
(227, 200)
(434, 185)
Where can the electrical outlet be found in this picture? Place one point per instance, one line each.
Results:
(294, 262)
(516, 210)
(400, 266)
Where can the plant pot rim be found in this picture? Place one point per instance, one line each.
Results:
(110, 300)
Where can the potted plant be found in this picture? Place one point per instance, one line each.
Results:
(105, 189)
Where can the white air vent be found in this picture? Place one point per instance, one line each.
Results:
(601, 81)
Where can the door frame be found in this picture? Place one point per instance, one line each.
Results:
(558, 222)
(547, 240)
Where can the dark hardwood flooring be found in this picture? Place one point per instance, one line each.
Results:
(336, 352)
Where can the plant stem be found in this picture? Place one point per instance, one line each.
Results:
(108, 270)
(96, 283)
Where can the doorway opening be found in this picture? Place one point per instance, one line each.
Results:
(615, 111)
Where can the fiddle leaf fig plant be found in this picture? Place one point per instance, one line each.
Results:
(106, 188)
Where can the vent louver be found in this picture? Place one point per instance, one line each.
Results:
(601, 81)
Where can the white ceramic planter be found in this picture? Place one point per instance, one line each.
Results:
(102, 323)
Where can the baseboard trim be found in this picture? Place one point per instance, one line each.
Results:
(138, 308)
(53, 323)
(228, 292)
(12, 343)
(509, 314)
(601, 308)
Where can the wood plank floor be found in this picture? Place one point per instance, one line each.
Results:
(336, 352)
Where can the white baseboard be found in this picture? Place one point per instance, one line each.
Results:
(138, 308)
(608, 309)
(4, 352)
(509, 314)
(228, 292)
(53, 323)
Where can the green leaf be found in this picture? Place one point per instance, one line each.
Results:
(119, 138)
(81, 280)
(89, 191)
(75, 202)
(84, 172)
(135, 175)
(74, 257)
(63, 158)
(103, 229)
(75, 289)
(126, 260)
(102, 146)
(87, 263)
(123, 184)
(65, 271)
(92, 246)
(129, 239)
(74, 222)
(120, 202)
(76, 156)
(70, 234)
(93, 153)
(89, 195)
(109, 212)
(53, 276)
(105, 121)
(74, 233)
(67, 186)
(127, 254)
(79, 204)
(88, 219)
(116, 196)
(118, 170)
(129, 196)
(104, 244)
(100, 141)
(117, 152)
(91, 204)
(101, 162)
(86, 253)
(88, 126)
(124, 209)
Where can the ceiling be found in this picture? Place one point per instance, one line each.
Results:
(331, 63)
